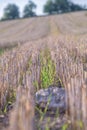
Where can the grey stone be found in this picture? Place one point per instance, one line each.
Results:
(53, 98)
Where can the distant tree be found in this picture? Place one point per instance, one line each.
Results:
(60, 6)
(29, 9)
(75, 7)
(49, 7)
(10, 12)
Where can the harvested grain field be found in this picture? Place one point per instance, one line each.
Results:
(44, 51)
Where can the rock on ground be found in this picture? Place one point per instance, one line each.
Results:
(53, 98)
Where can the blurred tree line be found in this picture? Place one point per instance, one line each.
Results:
(51, 7)
(61, 6)
(12, 11)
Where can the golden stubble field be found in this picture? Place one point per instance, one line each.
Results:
(36, 53)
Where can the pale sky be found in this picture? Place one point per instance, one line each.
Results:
(39, 3)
